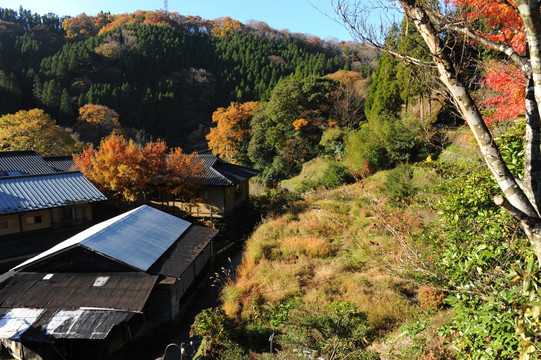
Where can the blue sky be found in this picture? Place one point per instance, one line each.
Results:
(300, 16)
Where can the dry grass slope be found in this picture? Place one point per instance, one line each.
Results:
(333, 245)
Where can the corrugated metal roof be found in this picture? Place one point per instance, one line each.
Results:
(218, 173)
(181, 255)
(93, 324)
(23, 163)
(60, 163)
(14, 322)
(137, 238)
(19, 194)
(123, 291)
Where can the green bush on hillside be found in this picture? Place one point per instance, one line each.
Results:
(386, 141)
(482, 244)
(399, 183)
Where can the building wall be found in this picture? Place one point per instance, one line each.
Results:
(165, 300)
(71, 216)
(31, 221)
(43, 219)
(219, 199)
(236, 195)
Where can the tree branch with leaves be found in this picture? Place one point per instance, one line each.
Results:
(512, 29)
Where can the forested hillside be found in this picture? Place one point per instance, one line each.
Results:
(162, 73)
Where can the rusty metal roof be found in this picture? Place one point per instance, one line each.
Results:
(93, 324)
(42, 306)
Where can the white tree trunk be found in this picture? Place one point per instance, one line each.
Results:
(521, 201)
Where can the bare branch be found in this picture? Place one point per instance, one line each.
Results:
(503, 203)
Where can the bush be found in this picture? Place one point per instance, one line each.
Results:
(336, 175)
(481, 244)
(430, 298)
(387, 141)
(399, 183)
(333, 141)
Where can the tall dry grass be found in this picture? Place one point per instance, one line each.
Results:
(335, 248)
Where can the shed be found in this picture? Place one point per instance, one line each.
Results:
(104, 285)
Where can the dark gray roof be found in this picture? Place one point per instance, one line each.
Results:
(70, 305)
(122, 291)
(24, 193)
(93, 324)
(14, 163)
(219, 173)
(60, 163)
(180, 256)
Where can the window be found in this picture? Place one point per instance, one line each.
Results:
(8, 224)
(33, 219)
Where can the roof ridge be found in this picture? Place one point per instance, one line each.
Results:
(221, 175)
(56, 173)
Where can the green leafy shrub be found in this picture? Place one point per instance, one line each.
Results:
(336, 175)
(386, 141)
(399, 183)
(340, 331)
(511, 146)
(481, 243)
(333, 141)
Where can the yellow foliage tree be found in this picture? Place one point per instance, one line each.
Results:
(300, 123)
(226, 27)
(96, 122)
(79, 27)
(229, 139)
(35, 130)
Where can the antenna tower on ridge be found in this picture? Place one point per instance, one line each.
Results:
(165, 7)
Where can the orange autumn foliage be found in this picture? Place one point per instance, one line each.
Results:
(232, 129)
(120, 168)
(299, 124)
(79, 27)
(502, 24)
(501, 17)
(509, 83)
(96, 122)
(226, 27)
(139, 17)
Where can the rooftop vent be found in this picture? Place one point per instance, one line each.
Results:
(100, 281)
(48, 277)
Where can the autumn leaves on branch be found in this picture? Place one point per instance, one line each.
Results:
(122, 169)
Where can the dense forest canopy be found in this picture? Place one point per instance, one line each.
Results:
(164, 73)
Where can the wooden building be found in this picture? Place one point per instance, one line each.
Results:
(220, 189)
(87, 296)
(39, 201)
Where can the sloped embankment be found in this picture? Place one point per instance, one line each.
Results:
(351, 244)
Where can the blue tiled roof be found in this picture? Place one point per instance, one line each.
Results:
(24, 193)
(219, 173)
